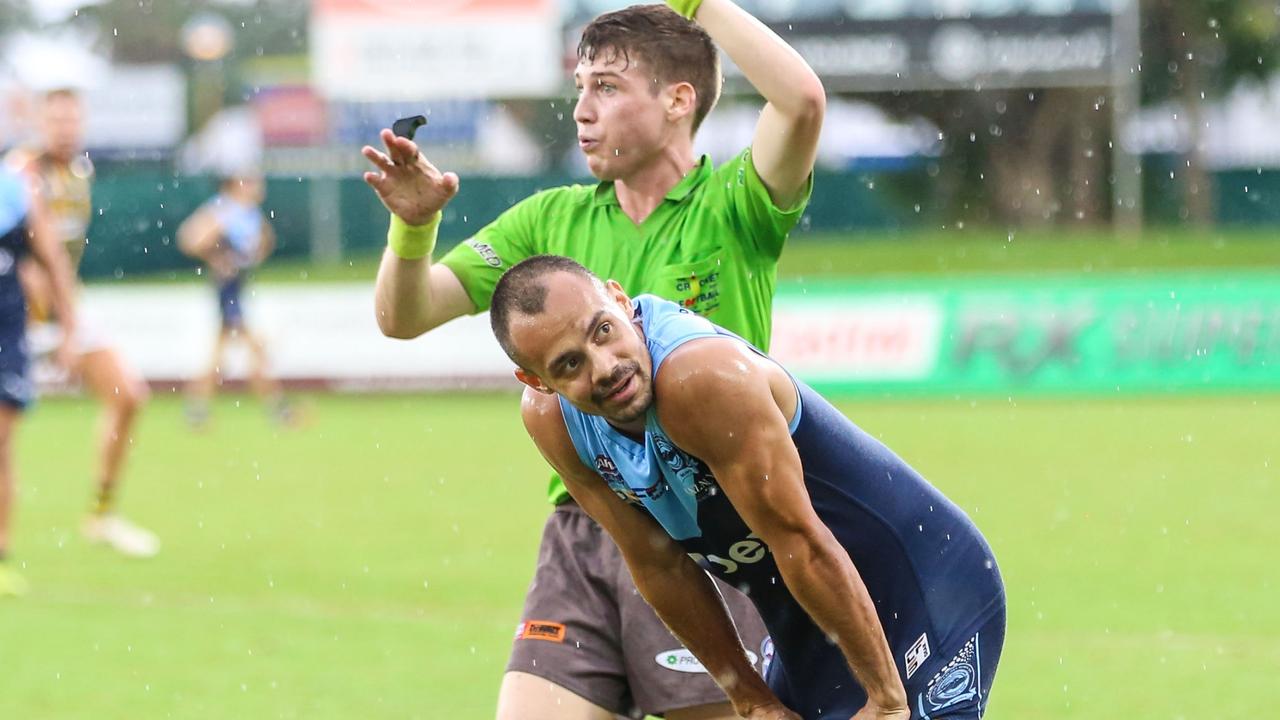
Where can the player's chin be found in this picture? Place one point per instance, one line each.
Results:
(635, 407)
(601, 169)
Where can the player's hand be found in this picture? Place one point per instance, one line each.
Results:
(406, 183)
(64, 356)
(872, 711)
(772, 711)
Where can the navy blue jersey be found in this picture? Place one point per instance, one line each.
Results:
(15, 203)
(931, 574)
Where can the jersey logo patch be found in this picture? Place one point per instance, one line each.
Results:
(540, 630)
(681, 660)
(956, 682)
(918, 653)
(486, 251)
(689, 469)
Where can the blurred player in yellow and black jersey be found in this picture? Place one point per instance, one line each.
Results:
(64, 177)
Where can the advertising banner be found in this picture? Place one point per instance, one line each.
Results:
(1050, 334)
(1053, 334)
(905, 45)
(379, 50)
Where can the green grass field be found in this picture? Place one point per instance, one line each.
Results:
(372, 564)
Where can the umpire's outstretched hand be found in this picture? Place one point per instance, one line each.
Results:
(407, 184)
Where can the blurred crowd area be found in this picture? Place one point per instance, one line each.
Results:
(1007, 113)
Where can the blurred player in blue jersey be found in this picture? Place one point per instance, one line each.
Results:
(692, 448)
(231, 236)
(24, 231)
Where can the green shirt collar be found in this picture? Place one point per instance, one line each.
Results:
(606, 194)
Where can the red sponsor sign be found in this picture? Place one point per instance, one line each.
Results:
(291, 115)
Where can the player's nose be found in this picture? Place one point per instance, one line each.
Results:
(583, 112)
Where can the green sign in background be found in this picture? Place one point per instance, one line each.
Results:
(1080, 333)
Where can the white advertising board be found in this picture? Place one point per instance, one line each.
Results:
(375, 50)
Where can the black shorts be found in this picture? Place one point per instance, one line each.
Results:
(586, 628)
(230, 307)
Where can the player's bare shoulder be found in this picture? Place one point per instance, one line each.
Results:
(545, 422)
(719, 378)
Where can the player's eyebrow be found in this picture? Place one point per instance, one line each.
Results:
(560, 359)
(596, 75)
(595, 320)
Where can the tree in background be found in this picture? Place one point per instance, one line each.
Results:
(1196, 51)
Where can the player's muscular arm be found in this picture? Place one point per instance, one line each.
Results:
(785, 145)
(49, 253)
(412, 295)
(199, 236)
(680, 591)
(724, 404)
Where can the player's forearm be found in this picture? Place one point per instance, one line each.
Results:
(687, 601)
(772, 66)
(57, 266)
(820, 575)
(402, 296)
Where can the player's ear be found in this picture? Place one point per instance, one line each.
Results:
(681, 101)
(617, 294)
(533, 381)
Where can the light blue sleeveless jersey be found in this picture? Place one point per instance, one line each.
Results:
(928, 570)
(241, 226)
(657, 475)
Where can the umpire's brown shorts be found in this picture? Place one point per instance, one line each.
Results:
(586, 628)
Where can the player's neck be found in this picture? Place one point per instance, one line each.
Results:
(641, 192)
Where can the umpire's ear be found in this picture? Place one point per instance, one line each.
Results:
(533, 381)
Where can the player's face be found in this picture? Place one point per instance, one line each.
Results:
(62, 126)
(585, 347)
(621, 115)
(251, 189)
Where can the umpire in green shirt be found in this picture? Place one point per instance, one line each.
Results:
(659, 221)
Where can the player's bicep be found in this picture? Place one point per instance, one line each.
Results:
(722, 410)
(784, 151)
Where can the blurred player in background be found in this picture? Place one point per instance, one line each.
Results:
(231, 236)
(709, 238)
(24, 231)
(64, 176)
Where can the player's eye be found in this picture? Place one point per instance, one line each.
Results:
(604, 329)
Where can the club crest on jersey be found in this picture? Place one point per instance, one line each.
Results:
(956, 682)
(697, 478)
(606, 468)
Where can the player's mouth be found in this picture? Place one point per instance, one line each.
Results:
(624, 391)
(588, 144)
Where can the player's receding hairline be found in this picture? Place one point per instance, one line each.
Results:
(523, 291)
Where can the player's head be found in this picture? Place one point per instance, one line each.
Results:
(573, 335)
(61, 120)
(246, 186)
(646, 77)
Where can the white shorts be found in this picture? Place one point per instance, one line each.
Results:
(44, 338)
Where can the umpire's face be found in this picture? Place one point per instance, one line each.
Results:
(586, 347)
(626, 118)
